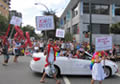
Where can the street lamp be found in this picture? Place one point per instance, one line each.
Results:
(42, 5)
(90, 23)
(47, 11)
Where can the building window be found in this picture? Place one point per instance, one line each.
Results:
(64, 20)
(75, 11)
(99, 28)
(75, 29)
(117, 10)
(96, 9)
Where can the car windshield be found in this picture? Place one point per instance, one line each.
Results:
(87, 55)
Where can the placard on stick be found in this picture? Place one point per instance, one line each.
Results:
(103, 43)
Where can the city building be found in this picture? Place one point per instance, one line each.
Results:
(15, 13)
(4, 7)
(75, 18)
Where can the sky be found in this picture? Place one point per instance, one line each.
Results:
(29, 10)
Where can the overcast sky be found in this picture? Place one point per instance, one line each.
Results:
(29, 10)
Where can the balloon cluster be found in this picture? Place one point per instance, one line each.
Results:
(28, 40)
(19, 33)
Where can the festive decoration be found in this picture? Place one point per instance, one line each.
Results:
(28, 40)
(102, 53)
(20, 32)
(57, 54)
(93, 59)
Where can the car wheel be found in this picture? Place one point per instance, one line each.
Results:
(107, 72)
(57, 72)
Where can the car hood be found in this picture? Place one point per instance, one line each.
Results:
(38, 54)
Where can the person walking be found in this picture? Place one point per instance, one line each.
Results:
(17, 46)
(5, 51)
(97, 69)
(50, 59)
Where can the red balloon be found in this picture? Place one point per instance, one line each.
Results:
(20, 32)
(28, 39)
(16, 35)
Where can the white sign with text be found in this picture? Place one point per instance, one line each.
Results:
(60, 33)
(44, 23)
(103, 43)
(16, 21)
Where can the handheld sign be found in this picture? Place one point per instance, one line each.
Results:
(16, 21)
(44, 23)
(60, 33)
(103, 43)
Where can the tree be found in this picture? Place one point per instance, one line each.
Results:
(31, 31)
(51, 33)
(3, 25)
(68, 36)
(115, 28)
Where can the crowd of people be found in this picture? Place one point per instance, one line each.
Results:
(53, 49)
(65, 48)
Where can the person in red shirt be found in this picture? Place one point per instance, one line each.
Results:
(50, 59)
(77, 55)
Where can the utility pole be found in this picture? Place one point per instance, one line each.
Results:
(90, 23)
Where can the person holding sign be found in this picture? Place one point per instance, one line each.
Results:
(97, 69)
(50, 59)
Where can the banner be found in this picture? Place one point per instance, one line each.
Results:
(60, 33)
(103, 43)
(16, 21)
(44, 23)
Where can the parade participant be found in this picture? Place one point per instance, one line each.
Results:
(17, 46)
(5, 51)
(41, 46)
(97, 69)
(77, 55)
(50, 59)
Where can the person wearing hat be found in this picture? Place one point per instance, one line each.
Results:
(50, 59)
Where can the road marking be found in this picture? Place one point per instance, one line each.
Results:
(66, 80)
(118, 74)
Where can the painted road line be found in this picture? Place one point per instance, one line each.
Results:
(118, 74)
(66, 80)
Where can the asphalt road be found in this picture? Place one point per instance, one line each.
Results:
(20, 73)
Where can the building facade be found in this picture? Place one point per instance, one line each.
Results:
(4, 7)
(75, 18)
(15, 13)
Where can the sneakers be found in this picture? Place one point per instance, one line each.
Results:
(4, 64)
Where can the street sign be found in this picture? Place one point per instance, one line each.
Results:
(44, 23)
(60, 33)
(16, 21)
(103, 43)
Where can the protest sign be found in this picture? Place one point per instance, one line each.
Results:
(44, 23)
(16, 21)
(103, 43)
(60, 33)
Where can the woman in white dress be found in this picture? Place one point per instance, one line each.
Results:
(97, 70)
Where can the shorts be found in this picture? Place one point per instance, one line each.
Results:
(17, 52)
(50, 70)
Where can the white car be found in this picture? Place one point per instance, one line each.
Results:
(71, 66)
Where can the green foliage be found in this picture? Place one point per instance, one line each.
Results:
(68, 36)
(3, 24)
(31, 31)
(51, 33)
(115, 28)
